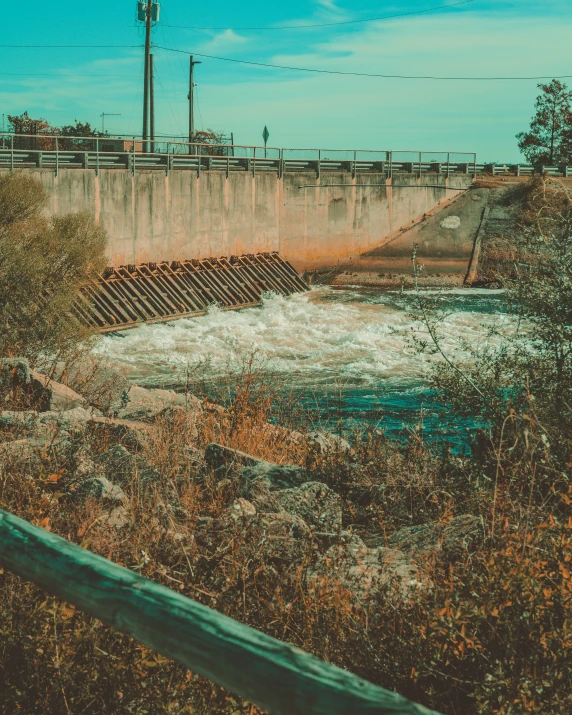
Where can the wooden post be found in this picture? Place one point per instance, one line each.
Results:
(273, 675)
(473, 268)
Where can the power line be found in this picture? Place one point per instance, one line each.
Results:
(137, 47)
(59, 76)
(328, 24)
(359, 74)
(308, 69)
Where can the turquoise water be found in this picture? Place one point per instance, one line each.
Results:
(346, 354)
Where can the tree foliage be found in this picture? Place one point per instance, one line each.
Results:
(43, 263)
(549, 139)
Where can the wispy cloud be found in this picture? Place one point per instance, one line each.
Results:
(226, 40)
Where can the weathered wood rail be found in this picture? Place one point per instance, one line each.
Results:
(269, 673)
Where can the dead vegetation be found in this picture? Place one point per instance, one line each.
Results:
(488, 629)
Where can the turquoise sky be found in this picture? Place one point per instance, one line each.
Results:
(476, 39)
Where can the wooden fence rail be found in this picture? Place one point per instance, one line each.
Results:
(267, 672)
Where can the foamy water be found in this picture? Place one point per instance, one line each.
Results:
(353, 336)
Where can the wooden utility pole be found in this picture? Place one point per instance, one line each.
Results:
(146, 73)
(151, 103)
(192, 64)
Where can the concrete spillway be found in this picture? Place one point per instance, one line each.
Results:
(315, 222)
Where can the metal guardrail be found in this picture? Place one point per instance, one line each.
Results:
(263, 670)
(59, 152)
(525, 169)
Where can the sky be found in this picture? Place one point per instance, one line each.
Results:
(479, 38)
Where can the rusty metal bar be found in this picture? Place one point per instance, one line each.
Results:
(128, 296)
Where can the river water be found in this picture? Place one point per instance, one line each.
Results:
(347, 354)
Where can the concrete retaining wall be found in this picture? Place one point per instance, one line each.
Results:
(315, 223)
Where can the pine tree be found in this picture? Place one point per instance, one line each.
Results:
(549, 139)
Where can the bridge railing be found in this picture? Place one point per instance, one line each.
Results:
(267, 672)
(58, 152)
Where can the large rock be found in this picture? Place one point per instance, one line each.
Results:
(284, 535)
(122, 466)
(314, 502)
(23, 453)
(48, 395)
(256, 474)
(18, 419)
(100, 488)
(278, 535)
(451, 537)
(128, 432)
(46, 424)
(117, 518)
(365, 573)
(139, 403)
(217, 456)
(267, 476)
(239, 509)
(74, 420)
(328, 443)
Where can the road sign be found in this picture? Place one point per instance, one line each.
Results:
(265, 135)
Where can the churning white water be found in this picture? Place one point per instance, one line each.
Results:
(347, 353)
(324, 335)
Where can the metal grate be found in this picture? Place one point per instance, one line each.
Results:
(128, 296)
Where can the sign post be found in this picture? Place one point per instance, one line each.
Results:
(265, 135)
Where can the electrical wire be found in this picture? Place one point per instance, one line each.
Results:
(359, 74)
(328, 24)
(137, 47)
(58, 76)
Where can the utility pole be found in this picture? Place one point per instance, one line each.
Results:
(146, 73)
(152, 103)
(192, 64)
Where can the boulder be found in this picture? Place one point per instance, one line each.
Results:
(451, 537)
(128, 432)
(74, 420)
(240, 509)
(117, 518)
(256, 473)
(365, 573)
(23, 452)
(83, 464)
(47, 395)
(217, 456)
(267, 476)
(100, 488)
(46, 425)
(314, 502)
(122, 466)
(138, 403)
(283, 534)
(327, 443)
(18, 419)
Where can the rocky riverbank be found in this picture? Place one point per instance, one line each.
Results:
(102, 458)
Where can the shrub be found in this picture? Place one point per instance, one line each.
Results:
(43, 263)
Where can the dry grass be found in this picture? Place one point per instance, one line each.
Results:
(493, 635)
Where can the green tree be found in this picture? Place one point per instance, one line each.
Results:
(549, 139)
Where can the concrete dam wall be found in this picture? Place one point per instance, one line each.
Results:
(314, 223)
